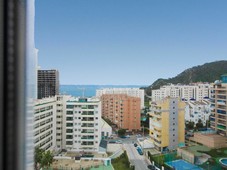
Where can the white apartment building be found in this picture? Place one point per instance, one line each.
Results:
(197, 91)
(196, 110)
(60, 119)
(83, 130)
(45, 123)
(65, 122)
(134, 92)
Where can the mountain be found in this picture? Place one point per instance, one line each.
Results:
(208, 72)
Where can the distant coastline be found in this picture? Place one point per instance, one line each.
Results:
(90, 90)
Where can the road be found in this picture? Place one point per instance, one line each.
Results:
(135, 158)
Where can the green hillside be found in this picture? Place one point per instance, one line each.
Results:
(208, 72)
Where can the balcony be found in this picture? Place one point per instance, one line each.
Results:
(221, 127)
(88, 119)
(87, 131)
(223, 117)
(221, 102)
(85, 113)
(87, 137)
(69, 137)
(69, 124)
(69, 131)
(87, 143)
(87, 125)
(221, 97)
(221, 111)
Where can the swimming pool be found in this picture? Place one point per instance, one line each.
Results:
(182, 165)
(223, 161)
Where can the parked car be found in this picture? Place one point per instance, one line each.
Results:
(139, 149)
(151, 167)
(139, 135)
(123, 137)
(119, 141)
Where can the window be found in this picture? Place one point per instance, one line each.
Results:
(69, 106)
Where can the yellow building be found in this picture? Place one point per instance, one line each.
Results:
(167, 123)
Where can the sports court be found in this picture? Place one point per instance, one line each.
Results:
(182, 165)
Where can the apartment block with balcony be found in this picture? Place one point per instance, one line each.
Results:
(45, 123)
(218, 101)
(133, 92)
(167, 123)
(82, 131)
(122, 110)
(195, 91)
(60, 119)
(197, 110)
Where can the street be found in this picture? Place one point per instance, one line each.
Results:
(138, 160)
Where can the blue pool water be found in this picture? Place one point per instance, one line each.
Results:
(223, 161)
(182, 165)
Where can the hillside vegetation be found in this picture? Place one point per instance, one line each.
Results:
(208, 72)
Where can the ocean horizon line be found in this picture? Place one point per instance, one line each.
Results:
(102, 85)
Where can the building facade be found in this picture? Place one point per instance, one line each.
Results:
(122, 110)
(61, 101)
(48, 83)
(196, 110)
(167, 123)
(196, 91)
(219, 106)
(134, 92)
(82, 131)
(45, 123)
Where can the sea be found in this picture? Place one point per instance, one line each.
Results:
(90, 90)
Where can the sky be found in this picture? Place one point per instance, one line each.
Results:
(128, 42)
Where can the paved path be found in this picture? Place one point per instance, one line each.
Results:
(135, 158)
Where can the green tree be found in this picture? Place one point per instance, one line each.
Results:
(49, 157)
(42, 159)
(190, 125)
(38, 157)
(121, 132)
(199, 124)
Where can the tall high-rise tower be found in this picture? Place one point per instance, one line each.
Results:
(48, 83)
